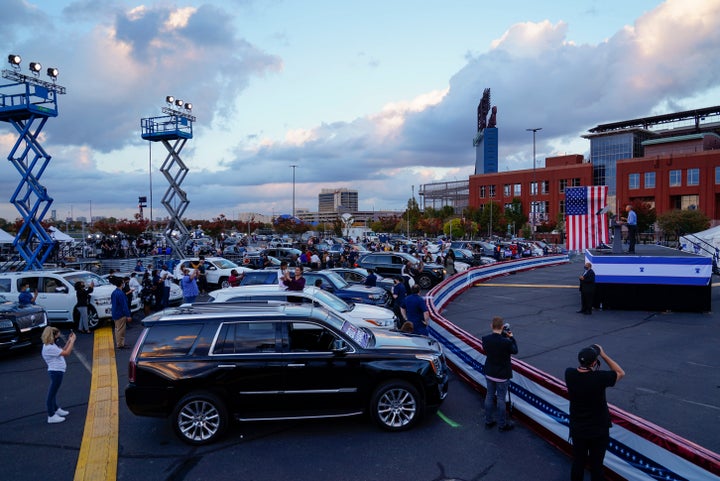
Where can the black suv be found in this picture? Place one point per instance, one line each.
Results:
(390, 264)
(206, 364)
(20, 326)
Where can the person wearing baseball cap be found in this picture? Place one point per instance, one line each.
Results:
(589, 413)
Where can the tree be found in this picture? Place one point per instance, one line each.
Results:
(679, 222)
(646, 216)
(514, 214)
(484, 218)
(453, 228)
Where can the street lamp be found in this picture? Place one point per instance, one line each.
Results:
(293, 199)
(532, 195)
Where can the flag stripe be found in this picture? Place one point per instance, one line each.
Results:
(585, 229)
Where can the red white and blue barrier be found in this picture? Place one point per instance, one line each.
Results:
(638, 449)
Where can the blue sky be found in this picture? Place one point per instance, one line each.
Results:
(375, 96)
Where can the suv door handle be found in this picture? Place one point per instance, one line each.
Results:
(227, 366)
(296, 365)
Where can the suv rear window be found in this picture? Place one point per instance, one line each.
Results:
(170, 341)
(246, 338)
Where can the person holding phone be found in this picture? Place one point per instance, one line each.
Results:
(54, 357)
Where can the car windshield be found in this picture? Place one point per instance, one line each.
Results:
(337, 280)
(224, 264)
(87, 278)
(332, 301)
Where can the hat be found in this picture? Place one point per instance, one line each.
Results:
(588, 355)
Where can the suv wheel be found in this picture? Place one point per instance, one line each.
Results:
(223, 282)
(425, 281)
(93, 318)
(200, 418)
(396, 405)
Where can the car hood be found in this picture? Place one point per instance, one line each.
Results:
(363, 290)
(367, 311)
(401, 340)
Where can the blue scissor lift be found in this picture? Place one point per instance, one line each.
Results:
(26, 103)
(173, 130)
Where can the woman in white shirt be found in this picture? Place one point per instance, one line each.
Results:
(54, 357)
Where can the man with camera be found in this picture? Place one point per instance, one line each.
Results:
(589, 413)
(498, 346)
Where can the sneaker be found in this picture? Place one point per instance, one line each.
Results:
(55, 418)
(61, 412)
(507, 427)
(490, 425)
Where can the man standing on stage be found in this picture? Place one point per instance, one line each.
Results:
(632, 228)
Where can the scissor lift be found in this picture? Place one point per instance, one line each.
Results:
(173, 130)
(26, 103)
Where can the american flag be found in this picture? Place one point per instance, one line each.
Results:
(585, 229)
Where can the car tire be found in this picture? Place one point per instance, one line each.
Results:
(200, 418)
(93, 318)
(223, 282)
(425, 281)
(396, 405)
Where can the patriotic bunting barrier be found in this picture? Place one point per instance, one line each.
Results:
(638, 449)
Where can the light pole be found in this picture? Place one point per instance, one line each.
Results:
(293, 199)
(533, 195)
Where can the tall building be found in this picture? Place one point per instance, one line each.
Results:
(338, 200)
(486, 139)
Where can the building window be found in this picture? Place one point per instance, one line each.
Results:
(576, 182)
(717, 175)
(533, 188)
(517, 190)
(633, 181)
(482, 191)
(675, 178)
(545, 186)
(563, 184)
(492, 190)
(693, 177)
(506, 190)
(649, 180)
(561, 207)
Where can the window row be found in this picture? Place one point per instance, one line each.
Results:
(515, 190)
(675, 178)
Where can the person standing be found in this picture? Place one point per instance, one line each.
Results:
(632, 228)
(120, 312)
(371, 279)
(167, 279)
(450, 263)
(499, 346)
(399, 293)
(189, 286)
(589, 413)
(54, 357)
(416, 311)
(296, 283)
(82, 294)
(282, 274)
(202, 275)
(26, 297)
(587, 290)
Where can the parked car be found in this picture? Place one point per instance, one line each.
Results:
(365, 315)
(56, 293)
(333, 282)
(357, 275)
(20, 326)
(391, 263)
(217, 269)
(259, 276)
(478, 248)
(257, 261)
(206, 365)
(282, 253)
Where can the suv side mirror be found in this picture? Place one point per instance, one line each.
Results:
(339, 346)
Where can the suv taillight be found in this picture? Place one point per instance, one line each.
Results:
(131, 370)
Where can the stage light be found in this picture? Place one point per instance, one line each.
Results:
(170, 99)
(35, 67)
(52, 72)
(14, 60)
(188, 106)
(179, 103)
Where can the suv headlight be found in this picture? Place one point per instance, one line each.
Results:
(381, 322)
(435, 362)
(6, 324)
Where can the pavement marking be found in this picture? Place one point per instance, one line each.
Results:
(545, 286)
(449, 421)
(99, 448)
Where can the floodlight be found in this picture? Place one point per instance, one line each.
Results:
(14, 60)
(35, 67)
(170, 99)
(188, 106)
(179, 103)
(52, 72)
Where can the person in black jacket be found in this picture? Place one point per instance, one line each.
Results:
(82, 294)
(587, 290)
(498, 346)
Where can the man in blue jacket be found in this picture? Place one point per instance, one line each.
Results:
(120, 312)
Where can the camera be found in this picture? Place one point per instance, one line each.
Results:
(506, 328)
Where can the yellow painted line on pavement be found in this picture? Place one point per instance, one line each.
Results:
(99, 449)
(542, 286)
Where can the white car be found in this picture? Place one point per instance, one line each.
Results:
(364, 315)
(217, 269)
(56, 293)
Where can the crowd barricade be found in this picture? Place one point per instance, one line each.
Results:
(637, 449)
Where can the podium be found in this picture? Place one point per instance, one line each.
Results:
(617, 236)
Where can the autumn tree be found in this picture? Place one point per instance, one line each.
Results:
(680, 222)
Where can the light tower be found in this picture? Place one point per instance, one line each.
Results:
(26, 103)
(173, 130)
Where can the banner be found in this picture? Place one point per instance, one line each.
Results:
(585, 221)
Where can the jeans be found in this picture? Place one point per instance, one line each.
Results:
(499, 389)
(83, 322)
(591, 451)
(56, 378)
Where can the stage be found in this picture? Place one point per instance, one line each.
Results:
(655, 278)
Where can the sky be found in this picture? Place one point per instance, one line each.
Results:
(375, 96)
